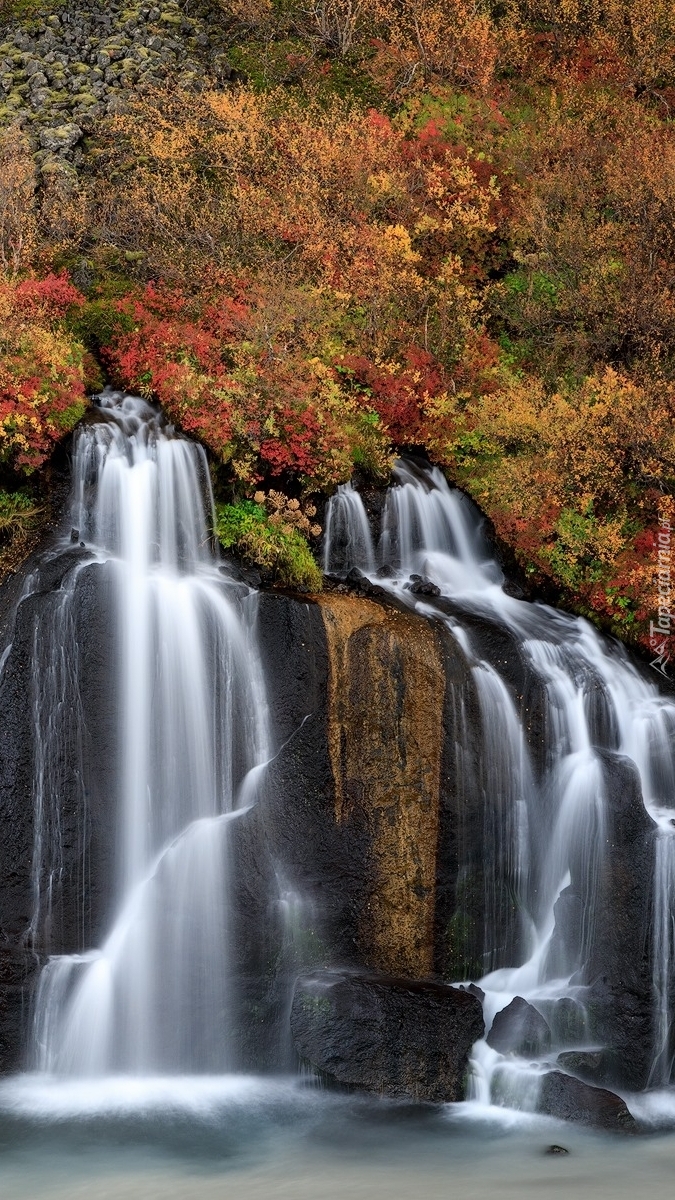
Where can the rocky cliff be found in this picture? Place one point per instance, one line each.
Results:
(372, 846)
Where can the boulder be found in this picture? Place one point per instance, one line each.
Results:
(519, 1029)
(62, 138)
(593, 1066)
(572, 1100)
(378, 1033)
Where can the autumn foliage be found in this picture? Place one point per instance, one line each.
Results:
(42, 370)
(441, 225)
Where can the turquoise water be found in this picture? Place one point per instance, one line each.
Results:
(198, 1139)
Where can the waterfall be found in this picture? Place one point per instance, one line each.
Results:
(347, 537)
(546, 823)
(191, 737)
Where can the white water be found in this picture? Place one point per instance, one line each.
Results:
(547, 825)
(348, 538)
(138, 1140)
(192, 733)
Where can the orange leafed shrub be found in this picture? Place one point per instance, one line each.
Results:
(572, 481)
(374, 223)
(42, 370)
(455, 40)
(17, 188)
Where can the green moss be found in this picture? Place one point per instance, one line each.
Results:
(28, 10)
(98, 323)
(284, 553)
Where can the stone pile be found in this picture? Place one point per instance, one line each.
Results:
(61, 74)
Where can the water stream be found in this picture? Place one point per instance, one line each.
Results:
(548, 819)
(192, 729)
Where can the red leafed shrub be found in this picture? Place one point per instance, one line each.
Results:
(396, 392)
(46, 300)
(260, 414)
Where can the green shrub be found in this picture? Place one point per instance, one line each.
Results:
(16, 511)
(283, 553)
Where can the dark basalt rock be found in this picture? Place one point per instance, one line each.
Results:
(618, 969)
(589, 1065)
(519, 1029)
(356, 581)
(396, 1037)
(567, 1020)
(570, 1099)
(77, 778)
(420, 586)
(318, 862)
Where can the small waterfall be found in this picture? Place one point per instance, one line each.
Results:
(347, 536)
(506, 785)
(192, 736)
(432, 530)
(547, 827)
(57, 722)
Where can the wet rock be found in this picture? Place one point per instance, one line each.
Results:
(422, 587)
(78, 787)
(377, 1033)
(554, 1149)
(589, 1065)
(519, 1029)
(567, 1020)
(354, 577)
(619, 966)
(570, 1099)
(510, 588)
(473, 990)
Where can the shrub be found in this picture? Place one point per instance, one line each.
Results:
(16, 510)
(43, 370)
(279, 550)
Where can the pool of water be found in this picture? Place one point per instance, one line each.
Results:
(201, 1138)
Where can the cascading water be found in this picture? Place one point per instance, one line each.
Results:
(545, 822)
(192, 735)
(348, 538)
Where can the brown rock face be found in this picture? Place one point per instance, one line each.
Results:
(385, 713)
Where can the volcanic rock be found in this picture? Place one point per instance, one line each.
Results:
(571, 1100)
(520, 1029)
(396, 1037)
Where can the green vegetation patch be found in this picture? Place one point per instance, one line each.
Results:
(16, 510)
(283, 553)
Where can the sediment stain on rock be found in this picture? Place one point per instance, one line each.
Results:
(385, 733)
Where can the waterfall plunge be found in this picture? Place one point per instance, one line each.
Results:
(192, 731)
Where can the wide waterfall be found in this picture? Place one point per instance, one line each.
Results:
(236, 793)
(191, 731)
(546, 804)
